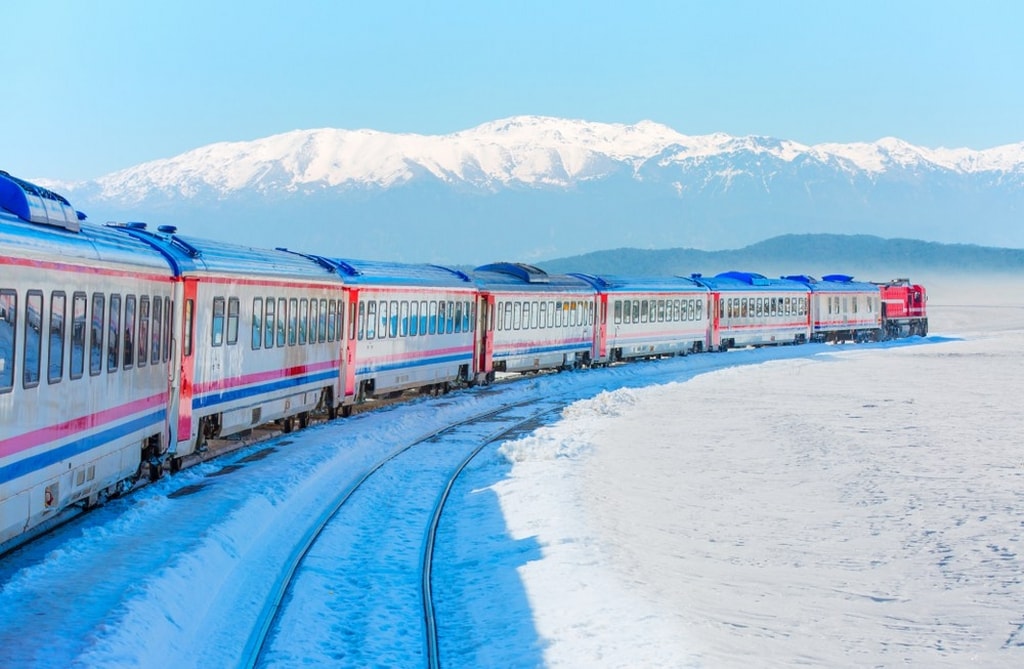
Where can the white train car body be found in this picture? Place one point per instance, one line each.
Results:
(647, 317)
(85, 343)
(842, 309)
(259, 340)
(410, 326)
(540, 321)
(753, 310)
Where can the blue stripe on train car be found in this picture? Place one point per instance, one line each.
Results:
(213, 399)
(79, 446)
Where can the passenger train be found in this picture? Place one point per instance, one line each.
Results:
(123, 349)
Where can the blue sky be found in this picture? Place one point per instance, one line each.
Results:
(93, 87)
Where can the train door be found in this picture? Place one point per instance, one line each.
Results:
(600, 349)
(185, 295)
(716, 306)
(348, 359)
(483, 345)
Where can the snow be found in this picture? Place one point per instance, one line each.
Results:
(816, 505)
(531, 150)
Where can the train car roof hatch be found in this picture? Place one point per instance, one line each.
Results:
(36, 204)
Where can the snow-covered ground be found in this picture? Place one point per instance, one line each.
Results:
(823, 506)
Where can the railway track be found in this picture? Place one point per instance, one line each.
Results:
(392, 556)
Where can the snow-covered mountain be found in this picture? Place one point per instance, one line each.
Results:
(532, 187)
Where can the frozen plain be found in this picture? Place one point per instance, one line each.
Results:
(843, 506)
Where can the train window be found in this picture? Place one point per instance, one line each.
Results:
(388, 318)
(503, 315)
(635, 310)
(232, 320)
(129, 340)
(845, 306)
(661, 311)
(33, 338)
(617, 312)
(303, 319)
(157, 331)
(773, 304)
(8, 335)
(190, 311)
(322, 336)
(432, 319)
(371, 319)
(362, 321)
(460, 311)
(269, 322)
(721, 307)
(314, 319)
(352, 320)
(256, 338)
(168, 327)
(423, 317)
(143, 330)
(282, 321)
(114, 334)
(382, 330)
(414, 317)
(293, 321)
(517, 315)
(78, 327)
(55, 359)
(332, 320)
(96, 334)
(403, 319)
(450, 317)
(217, 322)
(471, 316)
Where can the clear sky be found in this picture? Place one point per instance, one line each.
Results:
(91, 87)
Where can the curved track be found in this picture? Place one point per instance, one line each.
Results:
(433, 461)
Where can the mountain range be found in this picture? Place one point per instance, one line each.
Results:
(528, 188)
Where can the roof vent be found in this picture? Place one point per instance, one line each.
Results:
(167, 229)
(521, 271)
(36, 204)
(841, 278)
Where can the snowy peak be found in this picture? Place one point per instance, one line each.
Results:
(519, 151)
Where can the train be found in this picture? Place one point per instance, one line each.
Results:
(124, 349)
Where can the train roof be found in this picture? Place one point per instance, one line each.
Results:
(187, 254)
(520, 276)
(614, 283)
(374, 272)
(736, 281)
(833, 283)
(87, 243)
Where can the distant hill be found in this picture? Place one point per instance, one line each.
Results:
(814, 254)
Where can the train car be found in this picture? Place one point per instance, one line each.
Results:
(260, 336)
(648, 317)
(842, 309)
(753, 310)
(540, 321)
(904, 309)
(410, 326)
(85, 343)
